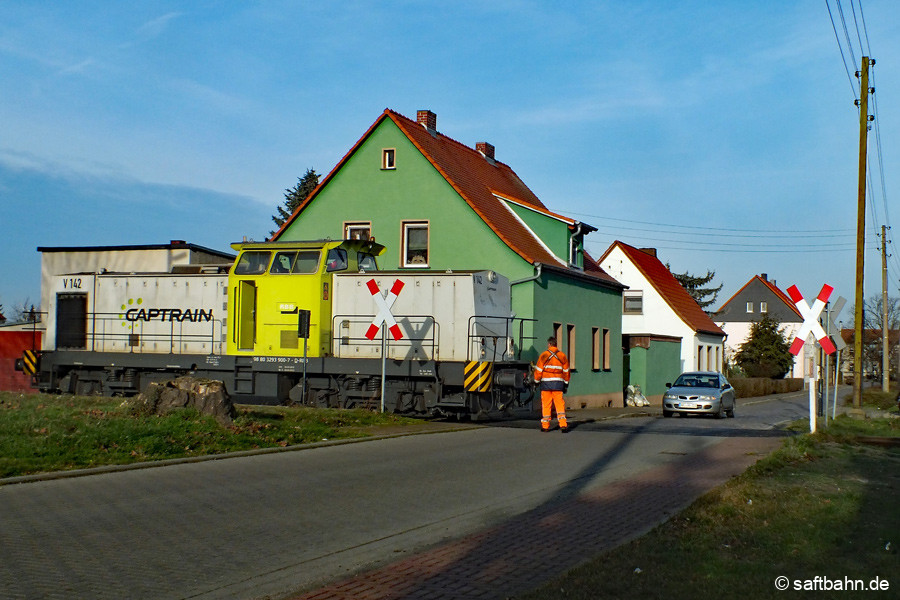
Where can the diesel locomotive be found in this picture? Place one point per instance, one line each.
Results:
(309, 322)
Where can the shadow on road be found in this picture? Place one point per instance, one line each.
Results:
(572, 526)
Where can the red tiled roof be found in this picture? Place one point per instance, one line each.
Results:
(484, 184)
(781, 295)
(669, 288)
(870, 336)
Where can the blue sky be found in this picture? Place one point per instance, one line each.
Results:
(722, 133)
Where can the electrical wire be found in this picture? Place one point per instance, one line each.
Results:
(841, 48)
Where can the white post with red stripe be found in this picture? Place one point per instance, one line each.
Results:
(384, 317)
(811, 324)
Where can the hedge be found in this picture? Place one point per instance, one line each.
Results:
(750, 387)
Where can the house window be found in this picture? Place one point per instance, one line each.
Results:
(749, 307)
(633, 302)
(358, 231)
(558, 333)
(415, 244)
(570, 345)
(606, 358)
(388, 158)
(763, 307)
(595, 349)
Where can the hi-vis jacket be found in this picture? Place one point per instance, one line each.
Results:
(552, 370)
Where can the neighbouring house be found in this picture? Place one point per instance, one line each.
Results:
(758, 297)
(15, 339)
(143, 258)
(873, 349)
(438, 204)
(664, 330)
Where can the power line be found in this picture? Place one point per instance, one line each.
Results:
(841, 48)
(817, 232)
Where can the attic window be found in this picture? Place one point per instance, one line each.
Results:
(387, 158)
(763, 307)
(358, 231)
(749, 307)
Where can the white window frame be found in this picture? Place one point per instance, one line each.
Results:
(406, 226)
(633, 295)
(388, 159)
(763, 307)
(749, 307)
(351, 226)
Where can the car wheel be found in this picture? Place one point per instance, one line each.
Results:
(667, 413)
(720, 414)
(730, 413)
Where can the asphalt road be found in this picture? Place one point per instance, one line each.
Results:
(273, 524)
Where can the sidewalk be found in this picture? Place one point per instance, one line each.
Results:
(531, 549)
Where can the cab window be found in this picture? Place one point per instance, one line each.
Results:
(252, 263)
(366, 262)
(283, 263)
(307, 262)
(337, 260)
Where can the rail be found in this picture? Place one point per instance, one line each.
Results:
(110, 332)
(350, 341)
(485, 333)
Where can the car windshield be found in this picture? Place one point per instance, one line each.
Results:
(697, 380)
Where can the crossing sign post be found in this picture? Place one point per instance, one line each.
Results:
(812, 326)
(384, 316)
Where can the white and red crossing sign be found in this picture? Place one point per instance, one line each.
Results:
(811, 319)
(384, 305)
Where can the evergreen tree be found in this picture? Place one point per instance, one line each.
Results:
(694, 286)
(295, 196)
(766, 353)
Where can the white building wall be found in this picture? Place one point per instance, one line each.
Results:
(659, 318)
(738, 333)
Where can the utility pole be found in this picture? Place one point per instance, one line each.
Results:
(885, 353)
(863, 104)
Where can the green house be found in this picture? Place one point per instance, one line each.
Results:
(438, 204)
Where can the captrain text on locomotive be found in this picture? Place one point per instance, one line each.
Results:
(293, 322)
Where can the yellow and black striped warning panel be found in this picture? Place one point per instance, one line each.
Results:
(29, 362)
(478, 376)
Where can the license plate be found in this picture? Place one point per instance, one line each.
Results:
(688, 405)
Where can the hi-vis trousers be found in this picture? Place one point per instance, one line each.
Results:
(553, 398)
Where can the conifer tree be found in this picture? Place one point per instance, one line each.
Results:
(766, 353)
(694, 286)
(295, 196)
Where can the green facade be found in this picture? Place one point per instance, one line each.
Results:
(361, 191)
(654, 366)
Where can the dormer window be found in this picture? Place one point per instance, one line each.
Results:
(388, 156)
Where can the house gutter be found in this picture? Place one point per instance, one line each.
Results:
(537, 274)
(576, 233)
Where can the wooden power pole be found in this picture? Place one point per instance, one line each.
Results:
(861, 231)
(885, 352)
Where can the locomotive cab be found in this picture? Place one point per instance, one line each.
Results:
(271, 282)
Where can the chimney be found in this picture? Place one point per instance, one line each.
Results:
(764, 276)
(427, 119)
(650, 251)
(486, 149)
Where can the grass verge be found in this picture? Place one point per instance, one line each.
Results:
(822, 505)
(42, 433)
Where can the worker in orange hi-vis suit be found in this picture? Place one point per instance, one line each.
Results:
(552, 372)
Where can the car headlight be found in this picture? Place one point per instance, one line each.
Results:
(669, 396)
(706, 398)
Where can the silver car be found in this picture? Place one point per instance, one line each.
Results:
(699, 392)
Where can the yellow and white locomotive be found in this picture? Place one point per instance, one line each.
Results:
(294, 322)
